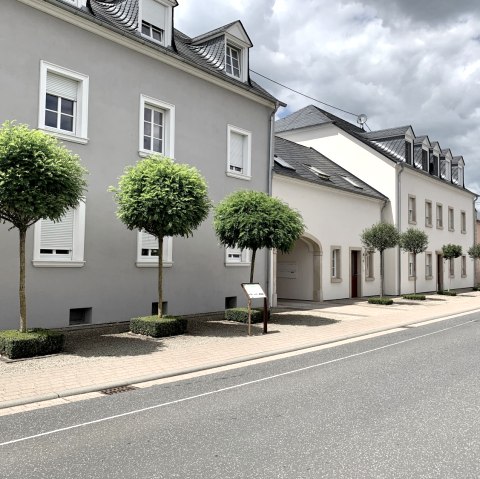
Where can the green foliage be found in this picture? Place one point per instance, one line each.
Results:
(447, 293)
(253, 220)
(413, 241)
(451, 251)
(380, 237)
(381, 300)
(474, 251)
(415, 297)
(162, 197)
(39, 177)
(158, 327)
(35, 342)
(241, 315)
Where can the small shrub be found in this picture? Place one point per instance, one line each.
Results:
(241, 315)
(158, 327)
(447, 293)
(35, 342)
(415, 297)
(380, 300)
(476, 288)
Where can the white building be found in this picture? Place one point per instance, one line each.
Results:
(424, 183)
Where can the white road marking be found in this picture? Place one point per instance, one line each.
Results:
(229, 388)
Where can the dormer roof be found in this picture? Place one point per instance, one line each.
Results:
(234, 29)
(458, 160)
(388, 133)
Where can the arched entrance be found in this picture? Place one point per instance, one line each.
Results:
(298, 273)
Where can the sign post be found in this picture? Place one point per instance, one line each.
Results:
(255, 291)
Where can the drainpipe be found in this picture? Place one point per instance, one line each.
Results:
(399, 226)
(475, 239)
(269, 282)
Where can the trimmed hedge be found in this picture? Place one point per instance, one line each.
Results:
(416, 297)
(240, 315)
(476, 288)
(381, 300)
(447, 293)
(35, 342)
(158, 327)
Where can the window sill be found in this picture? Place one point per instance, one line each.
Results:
(145, 153)
(335, 280)
(369, 279)
(439, 227)
(451, 229)
(236, 265)
(427, 225)
(238, 175)
(463, 232)
(464, 275)
(411, 278)
(428, 277)
(412, 222)
(41, 263)
(65, 136)
(148, 264)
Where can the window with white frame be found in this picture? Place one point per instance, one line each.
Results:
(237, 257)
(369, 265)
(63, 102)
(335, 264)
(412, 209)
(239, 147)
(157, 127)
(233, 61)
(464, 266)
(463, 222)
(61, 243)
(428, 266)
(451, 219)
(408, 152)
(428, 213)
(411, 265)
(152, 31)
(439, 208)
(451, 267)
(155, 19)
(147, 250)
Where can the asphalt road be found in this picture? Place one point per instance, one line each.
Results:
(402, 405)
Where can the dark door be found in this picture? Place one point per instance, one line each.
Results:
(355, 272)
(439, 272)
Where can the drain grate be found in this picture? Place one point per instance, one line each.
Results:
(119, 389)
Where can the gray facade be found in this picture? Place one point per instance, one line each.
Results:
(120, 70)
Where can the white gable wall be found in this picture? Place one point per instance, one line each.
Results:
(327, 213)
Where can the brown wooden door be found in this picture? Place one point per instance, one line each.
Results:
(355, 273)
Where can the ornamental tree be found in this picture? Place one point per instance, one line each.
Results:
(253, 220)
(39, 179)
(474, 251)
(163, 198)
(451, 251)
(379, 237)
(414, 241)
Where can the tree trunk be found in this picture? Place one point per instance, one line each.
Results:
(252, 265)
(21, 288)
(160, 276)
(415, 273)
(381, 274)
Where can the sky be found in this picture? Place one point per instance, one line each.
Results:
(400, 62)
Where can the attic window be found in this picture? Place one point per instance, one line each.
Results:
(352, 182)
(283, 163)
(152, 31)
(232, 61)
(318, 172)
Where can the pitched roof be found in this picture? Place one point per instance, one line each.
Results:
(122, 16)
(307, 164)
(308, 116)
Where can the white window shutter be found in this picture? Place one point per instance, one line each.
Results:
(154, 13)
(237, 143)
(149, 241)
(58, 235)
(62, 86)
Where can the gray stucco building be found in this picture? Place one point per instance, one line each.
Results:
(115, 81)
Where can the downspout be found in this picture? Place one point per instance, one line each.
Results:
(269, 282)
(475, 239)
(399, 227)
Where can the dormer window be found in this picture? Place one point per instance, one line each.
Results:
(408, 152)
(233, 61)
(152, 31)
(424, 160)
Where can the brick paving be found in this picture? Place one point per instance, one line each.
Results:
(98, 358)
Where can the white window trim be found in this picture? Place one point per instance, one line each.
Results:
(81, 115)
(152, 261)
(337, 278)
(411, 261)
(463, 266)
(244, 261)
(439, 217)
(451, 216)
(428, 220)
(451, 268)
(427, 255)
(169, 126)
(243, 51)
(78, 250)
(247, 167)
(463, 222)
(369, 270)
(167, 28)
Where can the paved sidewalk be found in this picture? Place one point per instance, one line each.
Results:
(97, 359)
